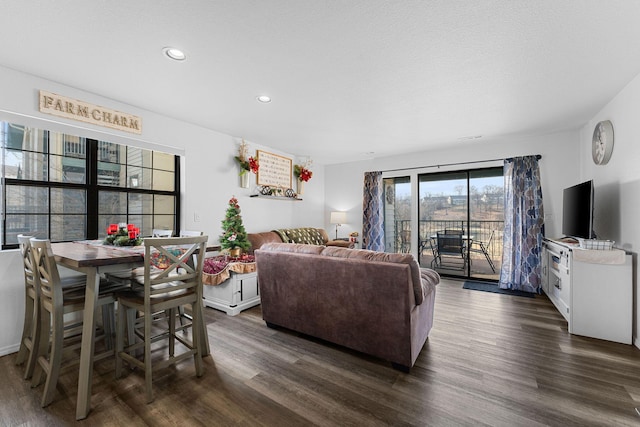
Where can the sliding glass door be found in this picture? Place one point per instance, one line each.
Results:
(443, 214)
(460, 220)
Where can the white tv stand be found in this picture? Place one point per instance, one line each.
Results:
(591, 289)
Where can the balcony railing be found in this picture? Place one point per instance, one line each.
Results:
(477, 230)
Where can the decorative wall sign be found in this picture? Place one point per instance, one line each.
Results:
(275, 170)
(73, 109)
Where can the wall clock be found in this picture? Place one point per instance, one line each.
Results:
(602, 142)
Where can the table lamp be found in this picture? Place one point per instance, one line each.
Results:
(338, 218)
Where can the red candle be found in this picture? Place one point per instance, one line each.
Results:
(113, 229)
(130, 227)
(137, 230)
(132, 234)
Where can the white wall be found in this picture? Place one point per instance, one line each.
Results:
(560, 166)
(617, 184)
(209, 177)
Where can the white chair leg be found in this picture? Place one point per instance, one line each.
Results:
(120, 325)
(55, 358)
(148, 370)
(196, 332)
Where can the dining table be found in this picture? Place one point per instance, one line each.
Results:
(95, 259)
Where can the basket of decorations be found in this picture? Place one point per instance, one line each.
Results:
(217, 270)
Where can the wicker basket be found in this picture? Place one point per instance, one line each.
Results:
(599, 245)
(222, 276)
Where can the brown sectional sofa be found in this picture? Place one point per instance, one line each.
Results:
(377, 303)
(304, 235)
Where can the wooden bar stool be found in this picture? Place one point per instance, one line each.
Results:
(31, 328)
(55, 302)
(171, 280)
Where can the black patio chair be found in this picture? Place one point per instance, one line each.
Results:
(480, 247)
(451, 246)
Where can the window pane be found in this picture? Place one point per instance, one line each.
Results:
(11, 135)
(163, 180)
(25, 199)
(164, 205)
(140, 203)
(32, 225)
(68, 227)
(112, 202)
(143, 222)
(139, 157)
(37, 165)
(164, 161)
(139, 177)
(110, 152)
(111, 174)
(68, 201)
(163, 221)
(67, 145)
(26, 165)
(67, 169)
(20, 138)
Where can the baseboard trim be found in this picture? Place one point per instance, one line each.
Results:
(9, 349)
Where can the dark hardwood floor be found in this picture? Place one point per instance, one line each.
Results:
(491, 359)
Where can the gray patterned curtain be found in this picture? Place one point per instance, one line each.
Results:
(373, 218)
(523, 225)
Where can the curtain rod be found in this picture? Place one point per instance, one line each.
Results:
(508, 159)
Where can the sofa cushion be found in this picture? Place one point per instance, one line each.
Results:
(259, 239)
(299, 248)
(283, 235)
(420, 289)
(306, 235)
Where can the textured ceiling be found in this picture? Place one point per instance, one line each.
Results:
(347, 77)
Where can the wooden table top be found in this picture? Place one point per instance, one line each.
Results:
(78, 254)
(82, 254)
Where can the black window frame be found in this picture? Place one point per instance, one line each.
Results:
(91, 188)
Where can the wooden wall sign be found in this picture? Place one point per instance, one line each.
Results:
(73, 109)
(274, 170)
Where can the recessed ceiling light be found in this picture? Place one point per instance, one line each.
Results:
(264, 99)
(174, 53)
(468, 138)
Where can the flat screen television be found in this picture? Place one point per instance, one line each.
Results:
(577, 211)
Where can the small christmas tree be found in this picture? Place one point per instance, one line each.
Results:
(234, 234)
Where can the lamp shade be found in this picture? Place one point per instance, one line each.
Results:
(338, 217)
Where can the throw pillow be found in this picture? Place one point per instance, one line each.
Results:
(308, 236)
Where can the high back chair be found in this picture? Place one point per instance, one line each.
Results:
(451, 245)
(481, 247)
(160, 232)
(31, 327)
(130, 276)
(172, 279)
(188, 233)
(30, 331)
(56, 300)
(181, 313)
